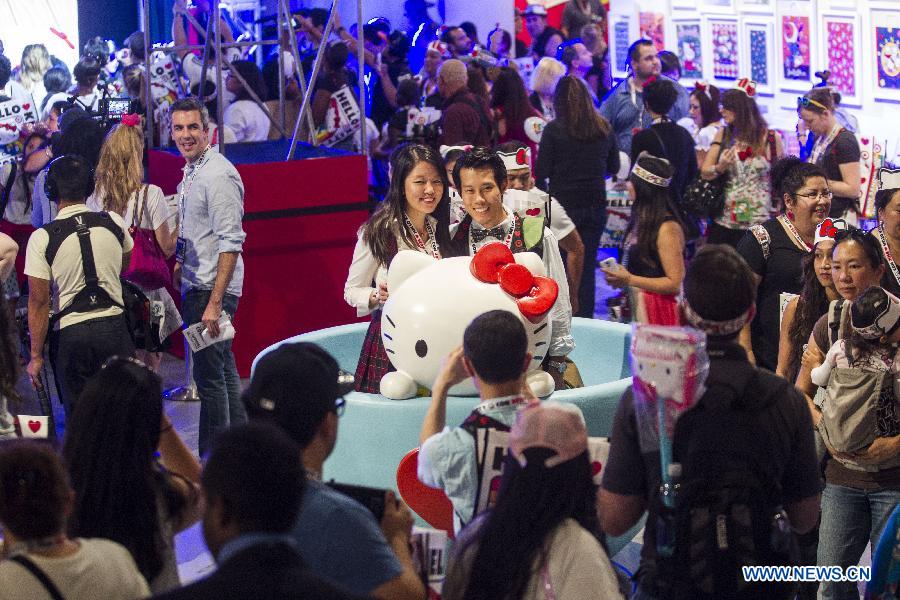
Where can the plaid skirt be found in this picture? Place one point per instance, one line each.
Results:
(373, 360)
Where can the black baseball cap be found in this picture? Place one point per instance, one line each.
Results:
(295, 386)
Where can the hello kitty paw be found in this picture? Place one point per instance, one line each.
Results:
(540, 382)
(398, 386)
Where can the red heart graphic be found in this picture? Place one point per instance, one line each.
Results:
(533, 212)
(862, 179)
(865, 141)
(26, 106)
(595, 468)
(34, 426)
(168, 65)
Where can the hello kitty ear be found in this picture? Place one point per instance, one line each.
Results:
(532, 262)
(406, 264)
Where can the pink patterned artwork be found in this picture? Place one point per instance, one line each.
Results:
(724, 50)
(839, 36)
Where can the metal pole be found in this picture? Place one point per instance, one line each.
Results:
(220, 90)
(278, 23)
(148, 90)
(360, 53)
(224, 44)
(315, 73)
(207, 46)
(298, 67)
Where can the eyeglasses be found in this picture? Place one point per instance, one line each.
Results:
(804, 102)
(339, 405)
(824, 195)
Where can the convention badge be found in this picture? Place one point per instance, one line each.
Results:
(33, 426)
(180, 247)
(743, 211)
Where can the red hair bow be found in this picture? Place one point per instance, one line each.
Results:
(748, 86)
(745, 153)
(131, 120)
(651, 79)
(535, 296)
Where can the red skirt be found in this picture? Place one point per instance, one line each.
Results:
(661, 309)
(373, 360)
(20, 234)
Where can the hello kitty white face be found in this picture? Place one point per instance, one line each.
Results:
(430, 305)
(665, 376)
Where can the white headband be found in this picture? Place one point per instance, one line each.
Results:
(888, 179)
(827, 229)
(445, 150)
(520, 159)
(715, 328)
(646, 175)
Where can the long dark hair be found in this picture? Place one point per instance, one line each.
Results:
(652, 206)
(254, 78)
(575, 110)
(509, 93)
(812, 304)
(387, 220)
(110, 451)
(748, 126)
(534, 500)
(709, 105)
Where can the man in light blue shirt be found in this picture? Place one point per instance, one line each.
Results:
(209, 264)
(623, 106)
(494, 353)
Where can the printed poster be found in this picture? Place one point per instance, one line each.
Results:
(13, 115)
(689, 50)
(652, 28)
(840, 56)
(622, 41)
(725, 49)
(795, 47)
(887, 45)
(759, 56)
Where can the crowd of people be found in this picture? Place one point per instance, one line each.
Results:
(798, 425)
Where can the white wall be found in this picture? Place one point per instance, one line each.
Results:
(877, 117)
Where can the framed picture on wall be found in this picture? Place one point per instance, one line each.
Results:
(715, 6)
(724, 48)
(622, 31)
(758, 6)
(795, 42)
(841, 54)
(652, 26)
(758, 52)
(684, 4)
(689, 48)
(884, 32)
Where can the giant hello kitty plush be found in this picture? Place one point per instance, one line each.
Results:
(432, 302)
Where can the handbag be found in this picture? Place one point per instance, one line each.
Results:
(706, 197)
(148, 266)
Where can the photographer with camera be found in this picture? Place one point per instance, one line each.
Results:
(300, 388)
(75, 261)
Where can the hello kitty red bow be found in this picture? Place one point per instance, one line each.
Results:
(703, 87)
(535, 295)
(748, 86)
(131, 120)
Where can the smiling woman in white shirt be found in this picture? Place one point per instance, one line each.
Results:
(415, 215)
(244, 117)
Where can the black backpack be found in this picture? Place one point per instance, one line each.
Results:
(135, 304)
(728, 509)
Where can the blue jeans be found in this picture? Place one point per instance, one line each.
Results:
(851, 518)
(215, 372)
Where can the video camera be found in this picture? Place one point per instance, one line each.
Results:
(110, 110)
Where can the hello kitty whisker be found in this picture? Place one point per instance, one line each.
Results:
(388, 350)
(388, 337)
(388, 317)
(539, 329)
(540, 344)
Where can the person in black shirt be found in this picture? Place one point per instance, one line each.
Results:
(545, 39)
(835, 150)
(775, 248)
(664, 137)
(631, 475)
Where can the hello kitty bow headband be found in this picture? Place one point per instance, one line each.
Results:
(748, 86)
(520, 159)
(535, 295)
(888, 179)
(445, 150)
(710, 327)
(703, 86)
(828, 229)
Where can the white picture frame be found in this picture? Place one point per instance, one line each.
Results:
(805, 57)
(623, 30)
(757, 6)
(882, 18)
(719, 7)
(721, 75)
(750, 50)
(689, 76)
(854, 44)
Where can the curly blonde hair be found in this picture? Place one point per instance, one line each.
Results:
(120, 170)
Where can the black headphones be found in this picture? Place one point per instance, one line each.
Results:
(76, 167)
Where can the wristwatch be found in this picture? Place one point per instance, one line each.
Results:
(557, 365)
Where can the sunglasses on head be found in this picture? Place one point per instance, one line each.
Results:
(804, 102)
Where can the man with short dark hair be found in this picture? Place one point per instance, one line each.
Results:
(544, 39)
(719, 297)
(495, 354)
(208, 262)
(465, 117)
(253, 488)
(457, 41)
(623, 106)
(89, 325)
(299, 387)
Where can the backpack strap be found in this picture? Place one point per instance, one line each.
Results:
(59, 229)
(762, 236)
(38, 574)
